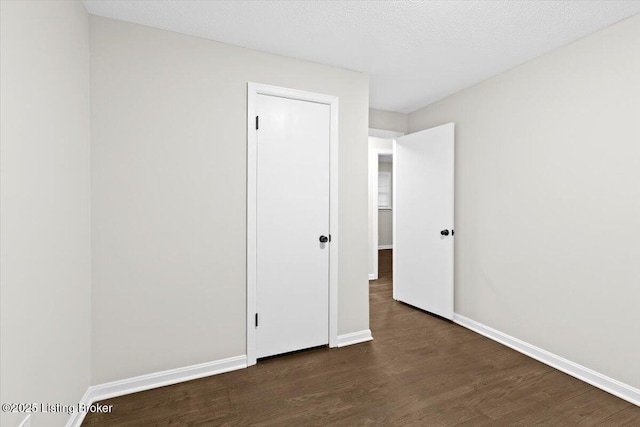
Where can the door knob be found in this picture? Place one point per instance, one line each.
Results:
(445, 232)
(324, 239)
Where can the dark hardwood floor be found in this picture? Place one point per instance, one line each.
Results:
(419, 370)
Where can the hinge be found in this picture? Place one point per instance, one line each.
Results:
(256, 320)
(257, 122)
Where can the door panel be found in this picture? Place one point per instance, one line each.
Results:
(422, 256)
(292, 213)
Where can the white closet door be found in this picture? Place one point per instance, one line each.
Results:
(292, 278)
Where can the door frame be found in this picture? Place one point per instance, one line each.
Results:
(253, 90)
(393, 219)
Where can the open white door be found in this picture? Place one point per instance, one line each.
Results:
(423, 218)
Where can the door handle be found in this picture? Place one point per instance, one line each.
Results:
(444, 232)
(324, 239)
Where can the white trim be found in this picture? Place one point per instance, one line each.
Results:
(77, 417)
(109, 390)
(596, 379)
(386, 134)
(164, 378)
(26, 422)
(252, 153)
(383, 247)
(373, 277)
(354, 338)
(333, 223)
(253, 90)
(394, 170)
(374, 157)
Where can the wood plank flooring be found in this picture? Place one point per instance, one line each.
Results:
(419, 370)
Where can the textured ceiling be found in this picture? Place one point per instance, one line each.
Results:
(415, 52)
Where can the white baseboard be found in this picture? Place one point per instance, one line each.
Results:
(373, 277)
(157, 379)
(383, 247)
(26, 422)
(77, 417)
(596, 379)
(354, 338)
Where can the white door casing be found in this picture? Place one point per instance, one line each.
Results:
(292, 201)
(423, 207)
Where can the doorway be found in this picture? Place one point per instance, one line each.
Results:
(380, 203)
(421, 200)
(292, 234)
(381, 212)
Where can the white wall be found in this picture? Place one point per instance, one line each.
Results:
(169, 194)
(548, 200)
(385, 216)
(45, 198)
(388, 120)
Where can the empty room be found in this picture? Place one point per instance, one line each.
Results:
(310, 213)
